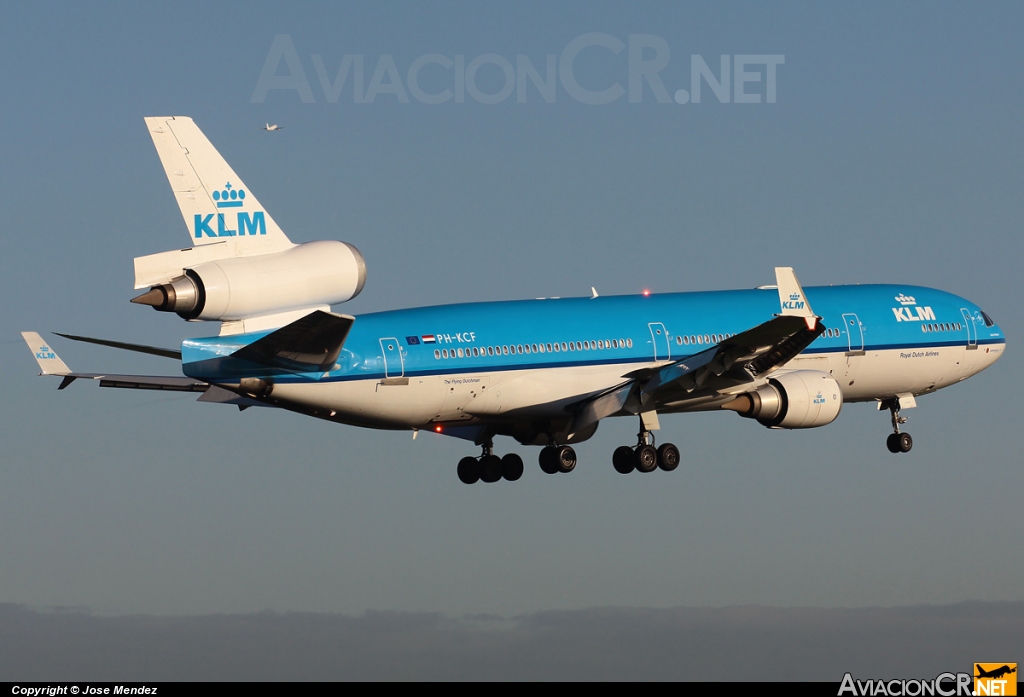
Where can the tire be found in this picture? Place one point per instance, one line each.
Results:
(905, 442)
(469, 470)
(511, 467)
(566, 459)
(645, 459)
(549, 460)
(490, 469)
(668, 457)
(893, 442)
(622, 459)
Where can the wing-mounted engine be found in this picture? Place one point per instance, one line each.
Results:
(307, 276)
(801, 399)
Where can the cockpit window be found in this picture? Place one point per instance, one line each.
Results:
(988, 320)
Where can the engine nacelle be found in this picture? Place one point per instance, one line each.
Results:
(801, 399)
(236, 288)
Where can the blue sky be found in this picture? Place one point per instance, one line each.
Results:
(891, 154)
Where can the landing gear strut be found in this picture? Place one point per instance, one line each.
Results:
(644, 457)
(897, 442)
(489, 467)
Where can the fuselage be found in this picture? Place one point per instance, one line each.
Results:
(465, 365)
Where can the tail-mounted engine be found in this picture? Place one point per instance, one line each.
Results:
(240, 287)
(801, 399)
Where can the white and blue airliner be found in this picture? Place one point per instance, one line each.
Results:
(544, 372)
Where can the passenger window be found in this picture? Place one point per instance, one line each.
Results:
(437, 353)
(629, 343)
(445, 353)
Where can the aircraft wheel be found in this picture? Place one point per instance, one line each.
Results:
(622, 459)
(490, 469)
(549, 459)
(566, 459)
(645, 458)
(511, 467)
(668, 457)
(469, 470)
(905, 442)
(893, 442)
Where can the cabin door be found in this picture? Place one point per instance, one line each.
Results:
(394, 363)
(659, 337)
(854, 332)
(971, 327)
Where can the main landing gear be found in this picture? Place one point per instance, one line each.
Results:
(897, 442)
(557, 458)
(489, 467)
(644, 457)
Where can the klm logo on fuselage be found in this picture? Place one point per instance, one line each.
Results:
(794, 302)
(245, 224)
(909, 311)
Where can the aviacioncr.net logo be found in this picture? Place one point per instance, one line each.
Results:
(945, 685)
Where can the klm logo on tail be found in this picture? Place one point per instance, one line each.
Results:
(245, 224)
(794, 302)
(44, 353)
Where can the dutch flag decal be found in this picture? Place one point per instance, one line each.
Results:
(428, 338)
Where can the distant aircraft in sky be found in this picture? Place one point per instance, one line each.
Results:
(273, 127)
(545, 372)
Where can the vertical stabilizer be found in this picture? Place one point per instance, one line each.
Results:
(216, 205)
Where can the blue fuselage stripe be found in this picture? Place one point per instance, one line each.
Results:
(403, 342)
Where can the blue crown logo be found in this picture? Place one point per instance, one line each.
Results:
(229, 198)
(794, 296)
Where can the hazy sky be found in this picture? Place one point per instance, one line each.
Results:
(892, 153)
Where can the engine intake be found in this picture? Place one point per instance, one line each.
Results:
(307, 275)
(801, 399)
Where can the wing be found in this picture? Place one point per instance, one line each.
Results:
(737, 362)
(139, 348)
(51, 364)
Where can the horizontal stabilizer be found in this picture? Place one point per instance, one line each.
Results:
(311, 343)
(138, 348)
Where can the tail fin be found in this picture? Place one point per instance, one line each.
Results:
(214, 201)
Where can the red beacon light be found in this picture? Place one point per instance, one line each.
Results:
(646, 292)
(438, 428)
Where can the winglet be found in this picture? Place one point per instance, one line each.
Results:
(49, 362)
(792, 298)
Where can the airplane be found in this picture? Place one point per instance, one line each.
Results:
(544, 372)
(275, 127)
(994, 673)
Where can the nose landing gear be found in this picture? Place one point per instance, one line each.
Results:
(897, 442)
